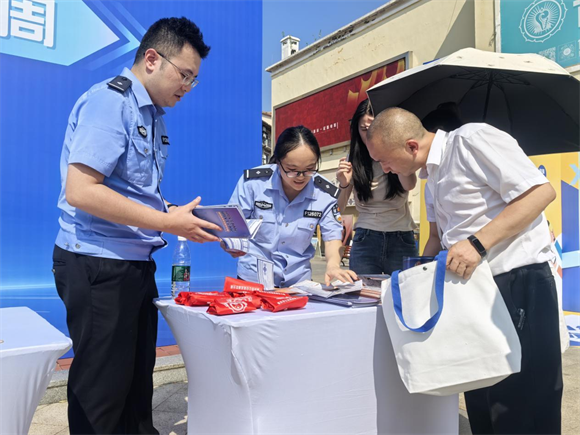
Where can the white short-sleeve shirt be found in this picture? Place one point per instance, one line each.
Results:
(472, 174)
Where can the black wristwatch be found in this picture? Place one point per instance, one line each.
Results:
(477, 245)
(171, 205)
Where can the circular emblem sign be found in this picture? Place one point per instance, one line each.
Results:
(542, 19)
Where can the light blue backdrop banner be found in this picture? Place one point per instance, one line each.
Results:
(547, 27)
(54, 50)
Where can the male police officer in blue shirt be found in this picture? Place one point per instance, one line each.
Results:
(112, 216)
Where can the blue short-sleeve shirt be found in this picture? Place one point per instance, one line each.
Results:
(122, 135)
(287, 228)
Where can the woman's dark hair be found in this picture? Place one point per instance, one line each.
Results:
(446, 117)
(362, 162)
(292, 138)
(169, 35)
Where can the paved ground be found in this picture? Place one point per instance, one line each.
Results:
(169, 413)
(170, 401)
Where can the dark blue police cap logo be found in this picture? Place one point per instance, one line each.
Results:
(142, 131)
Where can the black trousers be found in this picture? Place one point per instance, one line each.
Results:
(528, 402)
(113, 325)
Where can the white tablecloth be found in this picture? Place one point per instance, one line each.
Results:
(28, 352)
(320, 370)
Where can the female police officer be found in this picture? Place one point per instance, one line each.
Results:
(291, 201)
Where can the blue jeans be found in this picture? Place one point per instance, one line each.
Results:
(375, 252)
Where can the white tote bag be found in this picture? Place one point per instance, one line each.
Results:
(449, 335)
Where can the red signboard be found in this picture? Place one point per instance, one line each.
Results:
(327, 113)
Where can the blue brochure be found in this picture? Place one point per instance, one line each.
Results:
(229, 217)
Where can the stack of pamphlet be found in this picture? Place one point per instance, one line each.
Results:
(355, 294)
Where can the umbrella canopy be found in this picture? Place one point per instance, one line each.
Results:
(526, 95)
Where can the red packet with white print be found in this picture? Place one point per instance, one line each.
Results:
(251, 299)
(239, 287)
(182, 297)
(224, 306)
(199, 299)
(276, 303)
(271, 294)
(239, 293)
(196, 299)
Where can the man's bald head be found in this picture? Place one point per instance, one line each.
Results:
(397, 140)
(394, 126)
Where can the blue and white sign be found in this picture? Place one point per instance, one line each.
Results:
(547, 27)
(542, 19)
(51, 52)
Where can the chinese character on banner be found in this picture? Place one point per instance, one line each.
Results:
(26, 19)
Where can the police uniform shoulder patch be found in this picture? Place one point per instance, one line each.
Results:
(326, 186)
(336, 213)
(257, 173)
(120, 83)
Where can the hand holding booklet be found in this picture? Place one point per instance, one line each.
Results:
(243, 244)
(236, 229)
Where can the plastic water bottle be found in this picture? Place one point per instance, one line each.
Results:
(181, 269)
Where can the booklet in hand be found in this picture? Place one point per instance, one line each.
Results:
(243, 244)
(231, 218)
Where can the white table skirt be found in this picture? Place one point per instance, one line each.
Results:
(323, 369)
(28, 356)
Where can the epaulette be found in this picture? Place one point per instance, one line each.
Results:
(120, 83)
(326, 186)
(257, 173)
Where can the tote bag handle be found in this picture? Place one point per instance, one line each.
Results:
(439, 284)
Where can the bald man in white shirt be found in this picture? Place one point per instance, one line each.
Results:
(485, 198)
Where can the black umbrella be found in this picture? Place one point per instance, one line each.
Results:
(526, 95)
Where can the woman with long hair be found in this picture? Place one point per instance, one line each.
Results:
(384, 229)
